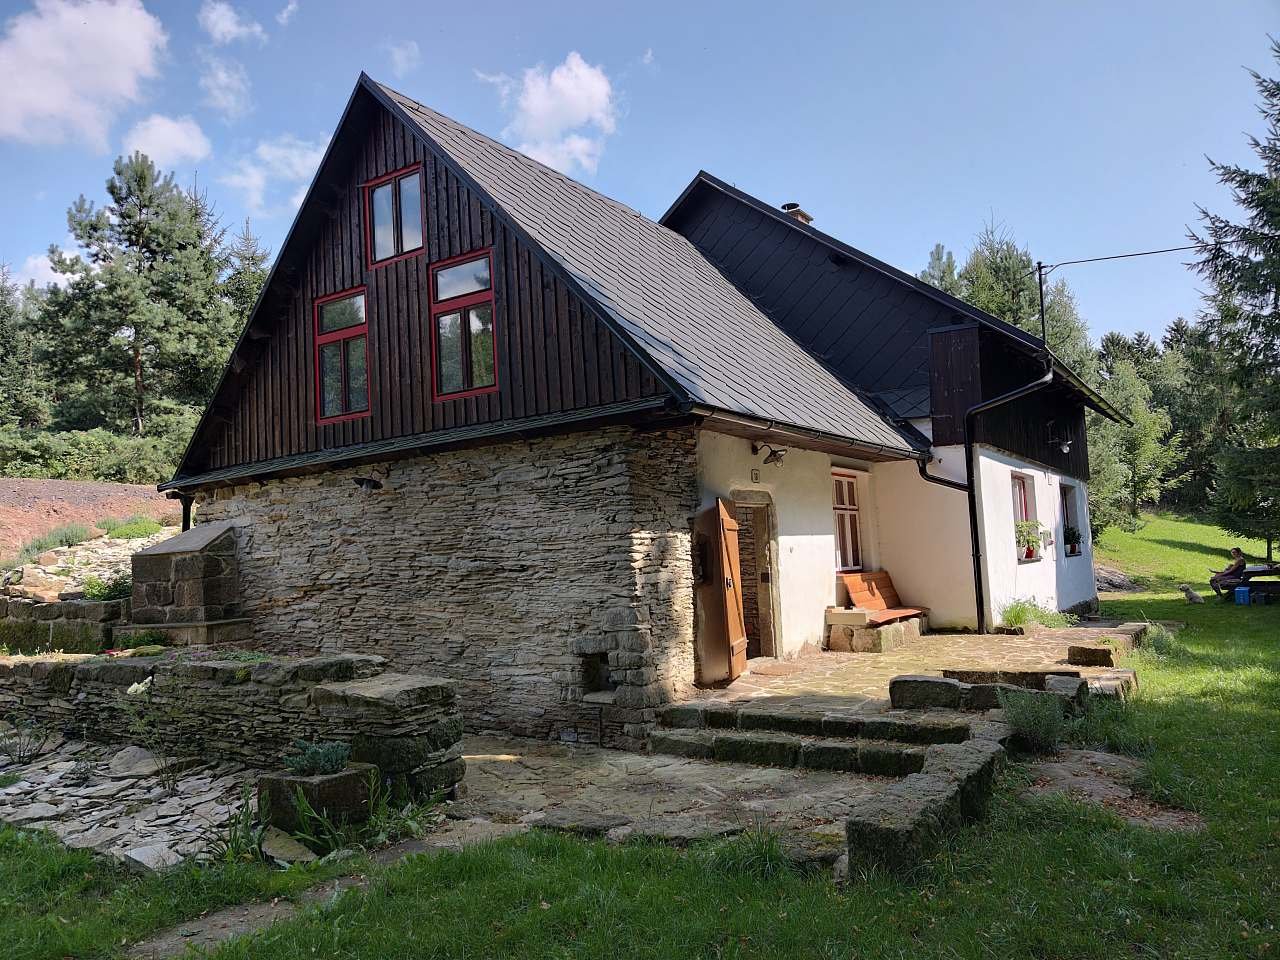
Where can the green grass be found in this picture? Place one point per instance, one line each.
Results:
(1170, 549)
(1039, 878)
(129, 529)
(1022, 613)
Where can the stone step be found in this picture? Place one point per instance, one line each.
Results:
(983, 688)
(770, 749)
(899, 726)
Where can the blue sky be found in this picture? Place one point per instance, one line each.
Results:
(1082, 127)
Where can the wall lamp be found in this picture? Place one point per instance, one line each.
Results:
(775, 453)
(371, 483)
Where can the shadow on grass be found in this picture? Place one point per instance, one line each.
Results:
(1190, 546)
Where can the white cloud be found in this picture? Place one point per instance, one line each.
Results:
(226, 87)
(70, 65)
(168, 141)
(286, 13)
(647, 57)
(560, 117)
(224, 24)
(405, 58)
(37, 269)
(286, 161)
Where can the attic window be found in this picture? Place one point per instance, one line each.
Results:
(394, 213)
(342, 363)
(462, 327)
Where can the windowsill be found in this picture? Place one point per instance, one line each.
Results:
(341, 418)
(1022, 560)
(1073, 556)
(415, 252)
(462, 395)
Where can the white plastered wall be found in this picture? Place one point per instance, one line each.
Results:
(1054, 580)
(800, 491)
(924, 540)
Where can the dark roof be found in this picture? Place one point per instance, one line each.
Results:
(653, 286)
(904, 401)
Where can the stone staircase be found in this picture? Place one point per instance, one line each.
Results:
(769, 734)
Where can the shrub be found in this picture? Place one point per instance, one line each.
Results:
(1036, 719)
(754, 853)
(22, 741)
(1108, 724)
(1020, 613)
(1160, 642)
(130, 529)
(319, 757)
(115, 588)
(67, 535)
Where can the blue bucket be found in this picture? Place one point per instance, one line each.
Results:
(1242, 596)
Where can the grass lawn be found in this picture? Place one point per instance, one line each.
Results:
(1039, 878)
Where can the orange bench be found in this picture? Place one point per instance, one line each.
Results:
(874, 594)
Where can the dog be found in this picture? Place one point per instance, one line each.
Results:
(1191, 595)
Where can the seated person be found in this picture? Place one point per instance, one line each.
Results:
(1229, 577)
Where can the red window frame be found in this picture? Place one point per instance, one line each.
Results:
(346, 333)
(460, 305)
(368, 188)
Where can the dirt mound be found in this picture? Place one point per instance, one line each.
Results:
(29, 508)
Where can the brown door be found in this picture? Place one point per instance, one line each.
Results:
(721, 636)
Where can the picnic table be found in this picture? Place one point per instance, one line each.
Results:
(1255, 577)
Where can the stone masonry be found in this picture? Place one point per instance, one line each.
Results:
(190, 578)
(550, 578)
(248, 710)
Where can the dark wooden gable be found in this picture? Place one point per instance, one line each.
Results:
(865, 326)
(972, 365)
(554, 355)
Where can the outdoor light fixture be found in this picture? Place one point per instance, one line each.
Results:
(775, 453)
(1062, 443)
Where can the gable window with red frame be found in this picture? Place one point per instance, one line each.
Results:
(462, 326)
(395, 213)
(342, 361)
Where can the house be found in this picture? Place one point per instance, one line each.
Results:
(498, 427)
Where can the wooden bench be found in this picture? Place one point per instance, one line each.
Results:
(874, 594)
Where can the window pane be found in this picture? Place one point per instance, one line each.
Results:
(331, 379)
(469, 277)
(481, 321)
(449, 353)
(357, 375)
(410, 213)
(339, 314)
(853, 555)
(384, 225)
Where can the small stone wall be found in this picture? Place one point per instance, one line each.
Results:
(251, 711)
(73, 626)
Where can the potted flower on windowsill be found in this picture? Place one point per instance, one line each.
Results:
(1027, 533)
(1072, 538)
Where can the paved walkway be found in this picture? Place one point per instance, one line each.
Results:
(861, 680)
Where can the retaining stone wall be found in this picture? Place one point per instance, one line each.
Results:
(508, 568)
(250, 711)
(73, 626)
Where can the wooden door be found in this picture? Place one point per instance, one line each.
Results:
(721, 635)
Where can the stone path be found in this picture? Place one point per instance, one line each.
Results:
(107, 798)
(861, 680)
(619, 795)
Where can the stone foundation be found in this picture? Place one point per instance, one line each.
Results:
(250, 711)
(851, 637)
(551, 579)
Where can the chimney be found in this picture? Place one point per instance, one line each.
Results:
(793, 210)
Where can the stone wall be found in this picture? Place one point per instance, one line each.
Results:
(517, 569)
(190, 578)
(73, 626)
(250, 710)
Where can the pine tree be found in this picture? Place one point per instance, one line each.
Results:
(941, 271)
(139, 331)
(23, 395)
(1242, 262)
(247, 260)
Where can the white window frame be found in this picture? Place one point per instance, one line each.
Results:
(1022, 489)
(845, 508)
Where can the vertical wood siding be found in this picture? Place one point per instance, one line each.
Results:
(553, 354)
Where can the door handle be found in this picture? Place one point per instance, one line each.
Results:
(728, 583)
